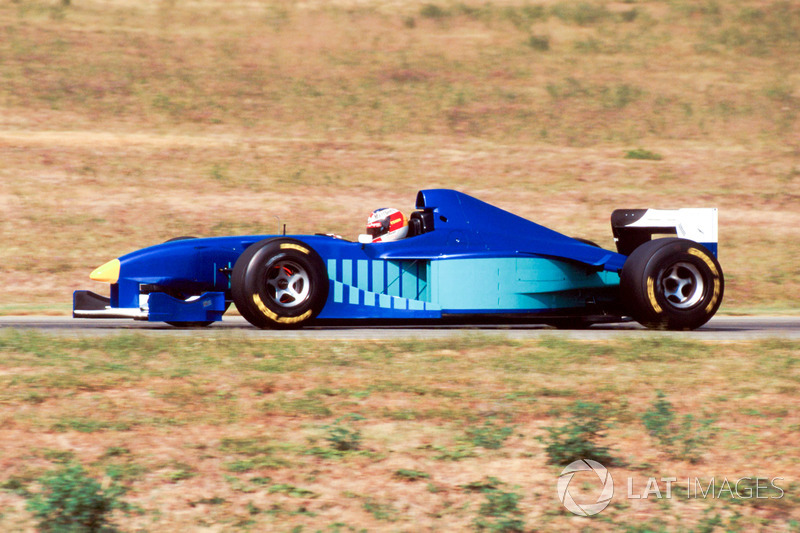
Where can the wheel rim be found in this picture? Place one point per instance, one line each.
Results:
(682, 285)
(288, 284)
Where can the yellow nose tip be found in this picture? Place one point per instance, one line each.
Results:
(109, 273)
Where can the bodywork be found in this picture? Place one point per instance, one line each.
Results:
(470, 259)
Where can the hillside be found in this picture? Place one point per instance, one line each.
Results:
(123, 124)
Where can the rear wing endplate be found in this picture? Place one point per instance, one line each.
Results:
(634, 227)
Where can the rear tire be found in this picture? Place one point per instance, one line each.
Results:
(279, 283)
(672, 283)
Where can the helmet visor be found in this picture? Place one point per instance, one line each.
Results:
(378, 228)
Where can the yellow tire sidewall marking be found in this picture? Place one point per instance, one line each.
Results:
(651, 295)
(715, 296)
(707, 260)
(292, 246)
(275, 317)
(713, 268)
(269, 313)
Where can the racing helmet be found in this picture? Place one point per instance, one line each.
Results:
(387, 224)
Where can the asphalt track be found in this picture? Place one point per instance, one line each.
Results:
(719, 329)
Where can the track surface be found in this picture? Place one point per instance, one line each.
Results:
(718, 329)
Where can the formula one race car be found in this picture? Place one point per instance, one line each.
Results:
(462, 260)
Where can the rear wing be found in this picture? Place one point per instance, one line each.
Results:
(634, 227)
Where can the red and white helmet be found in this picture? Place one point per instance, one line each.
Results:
(387, 224)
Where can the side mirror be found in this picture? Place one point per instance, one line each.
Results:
(365, 239)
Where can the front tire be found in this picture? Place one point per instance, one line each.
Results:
(672, 283)
(279, 283)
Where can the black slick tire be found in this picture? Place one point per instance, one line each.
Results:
(279, 283)
(672, 283)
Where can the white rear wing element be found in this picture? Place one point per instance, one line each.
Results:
(634, 227)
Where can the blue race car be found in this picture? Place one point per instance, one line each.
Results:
(462, 260)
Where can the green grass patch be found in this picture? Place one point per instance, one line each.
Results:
(580, 436)
(641, 153)
(539, 43)
(500, 511)
(291, 490)
(406, 474)
(686, 438)
(71, 500)
(256, 454)
(489, 435)
(581, 13)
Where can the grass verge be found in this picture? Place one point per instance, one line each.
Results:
(235, 434)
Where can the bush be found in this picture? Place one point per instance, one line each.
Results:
(641, 153)
(539, 42)
(686, 439)
(410, 475)
(73, 502)
(344, 438)
(577, 439)
(619, 96)
(580, 13)
(629, 16)
(489, 436)
(500, 512)
(659, 420)
(457, 453)
(432, 11)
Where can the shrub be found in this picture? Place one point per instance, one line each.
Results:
(486, 484)
(539, 42)
(630, 15)
(659, 420)
(489, 436)
(500, 513)
(457, 453)
(685, 439)
(641, 153)
(577, 439)
(343, 437)
(291, 490)
(581, 13)
(411, 475)
(534, 12)
(380, 510)
(620, 96)
(432, 11)
(16, 485)
(73, 502)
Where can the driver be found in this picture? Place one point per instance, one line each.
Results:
(387, 224)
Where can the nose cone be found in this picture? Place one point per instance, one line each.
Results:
(108, 273)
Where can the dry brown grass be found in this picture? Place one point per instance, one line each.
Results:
(207, 432)
(124, 124)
